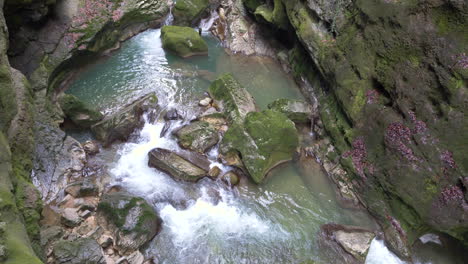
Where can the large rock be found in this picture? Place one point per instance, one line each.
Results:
(296, 110)
(131, 220)
(197, 136)
(79, 251)
(236, 100)
(175, 165)
(77, 111)
(189, 12)
(183, 41)
(345, 244)
(121, 124)
(264, 140)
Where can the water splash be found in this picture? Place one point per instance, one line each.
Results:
(380, 254)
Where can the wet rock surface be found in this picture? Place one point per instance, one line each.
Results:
(296, 110)
(120, 125)
(176, 166)
(197, 136)
(131, 220)
(345, 244)
(79, 251)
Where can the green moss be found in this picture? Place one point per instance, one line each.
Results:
(264, 140)
(7, 105)
(252, 5)
(183, 41)
(78, 112)
(275, 15)
(187, 12)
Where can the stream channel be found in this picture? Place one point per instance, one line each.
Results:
(274, 222)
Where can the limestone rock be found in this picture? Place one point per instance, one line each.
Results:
(82, 188)
(236, 100)
(183, 41)
(121, 124)
(345, 244)
(264, 140)
(91, 147)
(77, 111)
(197, 136)
(131, 220)
(296, 110)
(205, 102)
(189, 12)
(79, 251)
(70, 217)
(176, 166)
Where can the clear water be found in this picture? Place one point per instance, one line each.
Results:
(207, 222)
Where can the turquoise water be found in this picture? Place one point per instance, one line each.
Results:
(275, 222)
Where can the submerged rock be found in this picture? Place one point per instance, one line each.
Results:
(230, 178)
(236, 100)
(131, 220)
(189, 12)
(79, 251)
(345, 244)
(264, 140)
(172, 114)
(197, 136)
(296, 110)
(175, 165)
(80, 114)
(183, 41)
(120, 125)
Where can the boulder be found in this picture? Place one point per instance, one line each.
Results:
(230, 178)
(79, 251)
(205, 102)
(183, 41)
(70, 217)
(345, 244)
(264, 140)
(197, 136)
(175, 165)
(214, 172)
(131, 220)
(91, 147)
(172, 114)
(82, 188)
(236, 100)
(189, 12)
(121, 124)
(78, 112)
(296, 110)
(217, 120)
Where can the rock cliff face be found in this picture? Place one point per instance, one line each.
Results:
(393, 100)
(41, 43)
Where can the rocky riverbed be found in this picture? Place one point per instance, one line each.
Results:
(383, 116)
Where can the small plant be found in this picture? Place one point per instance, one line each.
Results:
(372, 96)
(461, 61)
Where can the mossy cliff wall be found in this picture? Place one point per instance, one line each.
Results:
(394, 102)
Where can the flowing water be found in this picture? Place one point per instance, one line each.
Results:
(207, 222)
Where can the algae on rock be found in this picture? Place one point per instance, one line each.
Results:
(188, 12)
(183, 41)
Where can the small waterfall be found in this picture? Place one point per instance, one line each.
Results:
(380, 254)
(169, 19)
(207, 23)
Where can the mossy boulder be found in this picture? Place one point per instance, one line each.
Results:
(264, 140)
(236, 100)
(131, 220)
(188, 12)
(81, 250)
(296, 110)
(178, 167)
(78, 112)
(183, 41)
(197, 136)
(121, 124)
(272, 13)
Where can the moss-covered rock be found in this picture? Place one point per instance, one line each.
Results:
(297, 110)
(189, 12)
(264, 140)
(82, 250)
(236, 100)
(78, 112)
(183, 41)
(197, 136)
(121, 124)
(273, 13)
(131, 220)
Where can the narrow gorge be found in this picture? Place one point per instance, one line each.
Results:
(234, 131)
